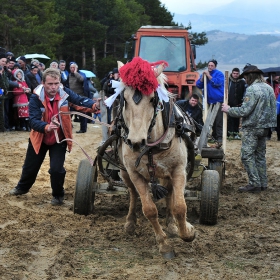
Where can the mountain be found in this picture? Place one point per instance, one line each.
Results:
(234, 48)
(246, 17)
(264, 11)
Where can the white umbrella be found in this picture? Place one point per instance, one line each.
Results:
(88, 73)
(36, 56)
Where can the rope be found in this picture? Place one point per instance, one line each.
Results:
(68, 139)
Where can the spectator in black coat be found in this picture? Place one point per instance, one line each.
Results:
(191, 107)
(236, 90)
(31, 77)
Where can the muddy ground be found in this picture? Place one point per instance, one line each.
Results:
(40, 241)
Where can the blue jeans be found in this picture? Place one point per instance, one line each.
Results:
(97, 116)
(34, 161)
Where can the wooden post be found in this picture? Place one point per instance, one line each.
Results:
(205, 104)
(103, 110)
(225, 114)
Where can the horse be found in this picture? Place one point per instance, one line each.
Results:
(150, 149)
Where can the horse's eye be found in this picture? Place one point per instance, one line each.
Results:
(152, 99)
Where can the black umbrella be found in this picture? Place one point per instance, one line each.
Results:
(267, 71)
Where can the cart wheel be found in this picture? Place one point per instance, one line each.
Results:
(217, 164)
(85, 182)
(107, 158)
(209, 203)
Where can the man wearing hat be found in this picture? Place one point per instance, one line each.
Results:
(23, 64)
(258, 112)
(215, 94)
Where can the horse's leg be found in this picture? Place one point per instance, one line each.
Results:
(131, 218)
(170, 221)
(178, 205)
(150, 211)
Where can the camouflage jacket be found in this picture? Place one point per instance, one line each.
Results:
(258, 109)
(4, 82)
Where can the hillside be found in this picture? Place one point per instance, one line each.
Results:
(234, 48)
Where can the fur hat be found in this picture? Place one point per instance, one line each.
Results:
(250, 69)
(2, 55)
(15, 72)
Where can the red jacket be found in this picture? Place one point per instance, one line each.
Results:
(39, 114)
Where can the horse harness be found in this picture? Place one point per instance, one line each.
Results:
(173, 116)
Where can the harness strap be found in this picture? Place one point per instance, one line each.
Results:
(152, 145)
(164, 134)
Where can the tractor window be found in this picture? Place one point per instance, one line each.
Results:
(170, 49)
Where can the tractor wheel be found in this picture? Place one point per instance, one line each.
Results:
(216, 164)
(209, 204)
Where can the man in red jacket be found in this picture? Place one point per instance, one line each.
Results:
(46, 102)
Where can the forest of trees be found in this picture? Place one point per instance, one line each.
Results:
(91, 32)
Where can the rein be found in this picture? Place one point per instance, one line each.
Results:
(164, 134)
(69, 139)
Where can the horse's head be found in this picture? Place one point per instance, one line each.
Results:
(140, 103)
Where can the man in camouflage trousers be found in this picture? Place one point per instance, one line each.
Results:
(258, 112)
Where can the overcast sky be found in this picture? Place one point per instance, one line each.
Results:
(192, 7)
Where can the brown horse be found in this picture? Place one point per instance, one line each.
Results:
(148, 150)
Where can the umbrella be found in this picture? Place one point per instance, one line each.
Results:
(269, 70)
(40, 57)
(88, 73)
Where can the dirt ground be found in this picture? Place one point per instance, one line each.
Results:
(40, 241)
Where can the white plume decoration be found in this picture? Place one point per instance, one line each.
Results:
(162, 93)
(119, 87)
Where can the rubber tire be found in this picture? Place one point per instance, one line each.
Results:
(210, 191)
(84, 195)
(217, 165)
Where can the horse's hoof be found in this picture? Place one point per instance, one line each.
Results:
(172, 231)
(169, 255)
(191, 238)
(129, 228)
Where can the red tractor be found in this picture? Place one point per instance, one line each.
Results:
(172, 44)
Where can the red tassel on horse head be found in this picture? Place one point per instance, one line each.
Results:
(140, 75)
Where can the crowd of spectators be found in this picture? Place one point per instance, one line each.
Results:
(19, 78)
